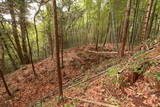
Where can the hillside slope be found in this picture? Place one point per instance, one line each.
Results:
(116, 86)
(90, 79)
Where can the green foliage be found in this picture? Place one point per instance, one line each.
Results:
(137, 70)
(84, 85)
(41, 101)
(158, 77)
(149, 74)
(68, 105)
(75, 102)
(139, 54)
(38, 104)
(58, 99)
(81, 22)
(113, 71)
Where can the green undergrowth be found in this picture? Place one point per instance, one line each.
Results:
(136, 63)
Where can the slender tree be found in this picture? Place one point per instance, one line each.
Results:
(133, 29)
(14, 29)
(30, 52)
(98, 23)
(57, 38)
(62, 46)
(146, 20)
(125, 28)
(8, 36)
(22, 21)
(7, 48)
(49, 28)
(107, 32)
(2, 66)
(150, 24)
(35, 27)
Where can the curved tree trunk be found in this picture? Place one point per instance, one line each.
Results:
(35, 27)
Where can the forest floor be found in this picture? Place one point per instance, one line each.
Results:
(90, 79)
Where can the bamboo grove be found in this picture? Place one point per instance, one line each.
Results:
(26, 39)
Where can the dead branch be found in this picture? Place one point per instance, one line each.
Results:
(94, 102)
(105, 52)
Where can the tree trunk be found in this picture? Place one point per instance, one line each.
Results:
(7, 49)
(134, 23)
(49, 29)
(2, 66)
(15, 32)
(146, 20)
(125, 28)
(98, 24)
(8, 36)
(22, 21)
(5, 84)
(62, 62)
(50, 41)
(30, 52)
(57, 37)
(35, 27)
(10, 56)
(150, 24)
(107, 32)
